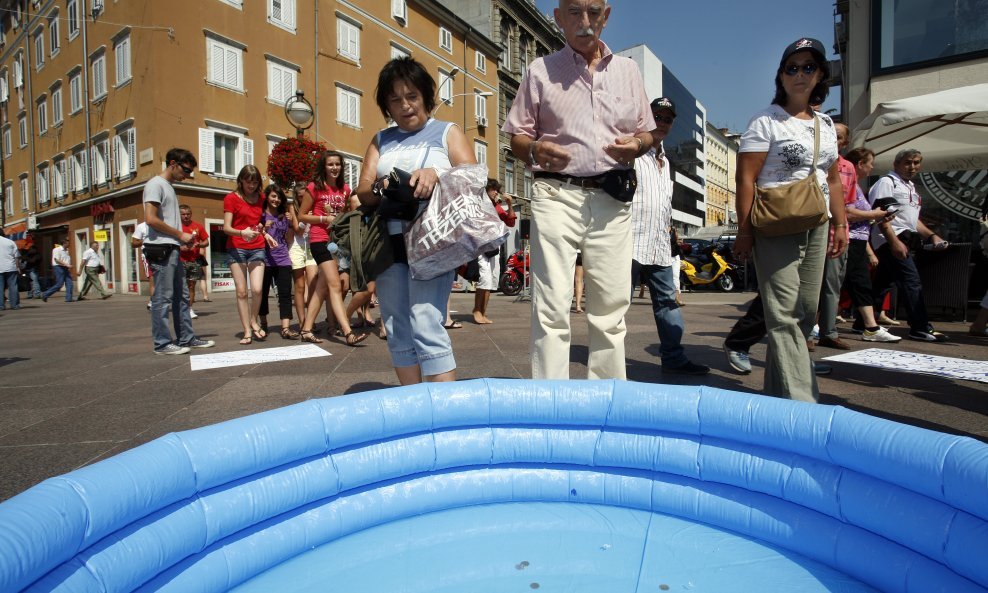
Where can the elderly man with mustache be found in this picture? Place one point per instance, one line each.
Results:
(580, 119)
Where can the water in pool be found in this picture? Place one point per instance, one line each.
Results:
(572, 548)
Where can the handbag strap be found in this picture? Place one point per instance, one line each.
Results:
(816, 142)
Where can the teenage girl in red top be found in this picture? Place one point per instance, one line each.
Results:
(242, 211)
(322, 201)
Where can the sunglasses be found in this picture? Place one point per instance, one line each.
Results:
(186, 170)
(665, 119)
(807, 69)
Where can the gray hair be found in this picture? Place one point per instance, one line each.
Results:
(907, 153)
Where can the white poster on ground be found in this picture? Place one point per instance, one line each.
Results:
(217, 360)
(915, 362)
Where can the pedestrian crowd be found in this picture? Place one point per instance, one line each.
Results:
(601, 209)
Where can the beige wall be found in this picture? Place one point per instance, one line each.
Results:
(169, 99)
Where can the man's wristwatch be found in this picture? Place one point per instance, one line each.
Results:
(377, 188)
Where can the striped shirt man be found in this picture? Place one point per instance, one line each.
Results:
(651, 211)
(561, 101)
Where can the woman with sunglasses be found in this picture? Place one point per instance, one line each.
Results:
(322, 201)
(242, 211)
(778, 149)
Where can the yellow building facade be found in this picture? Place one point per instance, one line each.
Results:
(93, 93)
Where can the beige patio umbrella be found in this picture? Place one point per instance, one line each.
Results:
(949, 127)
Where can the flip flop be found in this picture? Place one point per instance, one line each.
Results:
(246, 341)
(454, 325)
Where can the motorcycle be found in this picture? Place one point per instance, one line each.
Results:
(515, 276)
(712, 269)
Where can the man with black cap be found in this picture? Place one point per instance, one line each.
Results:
(652, 261)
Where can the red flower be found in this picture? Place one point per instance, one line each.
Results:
(293, 160)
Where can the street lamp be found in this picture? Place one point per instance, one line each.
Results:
(299, 112)
(449, 100)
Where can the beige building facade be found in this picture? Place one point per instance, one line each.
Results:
(94, 93)
(719, 198)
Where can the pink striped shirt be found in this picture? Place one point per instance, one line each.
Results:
(560, 100)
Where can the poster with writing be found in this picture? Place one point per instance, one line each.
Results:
(916, 362)
(217, 360)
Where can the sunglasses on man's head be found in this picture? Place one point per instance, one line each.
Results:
(665, 119)
(807, 69)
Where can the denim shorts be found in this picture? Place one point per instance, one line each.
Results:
(246, 256)
(413, 312)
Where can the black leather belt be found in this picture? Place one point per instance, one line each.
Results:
(583, 182)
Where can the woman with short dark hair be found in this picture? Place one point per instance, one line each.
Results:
(779, 148)
(412, 310)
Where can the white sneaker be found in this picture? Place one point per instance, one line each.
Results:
(192, 314)
(173, 349)
(880, 335)
(815, 334)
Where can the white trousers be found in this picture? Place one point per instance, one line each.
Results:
(567, 218)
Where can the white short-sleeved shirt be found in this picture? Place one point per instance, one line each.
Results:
(788, 142)
(141, 231)
(91, 258)
(651, 211)
(904, 192)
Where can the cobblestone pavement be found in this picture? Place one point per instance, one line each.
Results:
(79, 381)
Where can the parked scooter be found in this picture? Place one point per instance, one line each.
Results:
(710, 270)
(515, 276)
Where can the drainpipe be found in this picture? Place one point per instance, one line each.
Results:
(29, 101)
(315, 55)
(85, 95)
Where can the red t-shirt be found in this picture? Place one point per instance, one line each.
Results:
(325, 202)
(244, 216)
(190, 255)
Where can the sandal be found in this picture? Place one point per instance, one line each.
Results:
(246, 340)
(259, 334)
(453, 325)
(288, 333)
(353, 339)
(309, 337)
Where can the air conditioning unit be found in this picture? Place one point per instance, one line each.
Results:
(482, 121)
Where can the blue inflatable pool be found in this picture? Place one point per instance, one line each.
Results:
(497, 485)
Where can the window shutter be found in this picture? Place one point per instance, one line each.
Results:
(115, 155)
(247, 152)
(71, 181)
(288, 84)
(288, 12)
(84, 168)
(132, 150)
(206, 157)
(232, 77)
(216, 62)
(94, 174)
(274, 82)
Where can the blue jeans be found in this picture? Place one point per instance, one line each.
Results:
(171, 296)
(668, 318)
(8, 280)
(63, 275)
(413, 312)
(35, 284)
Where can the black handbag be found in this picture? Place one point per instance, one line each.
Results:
(398, 199)
(620, 184)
